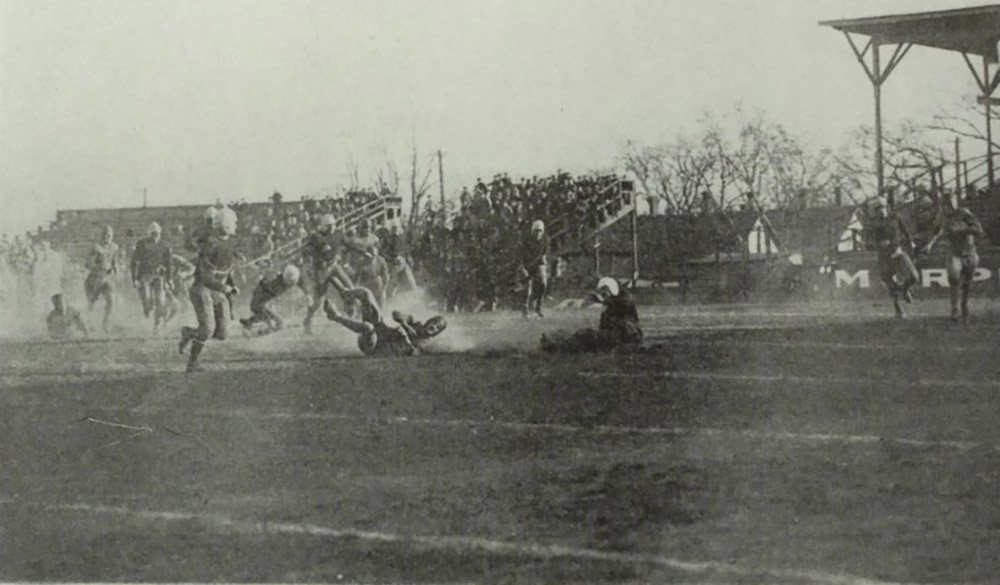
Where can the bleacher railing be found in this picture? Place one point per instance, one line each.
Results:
(565, 231)
(380, 208)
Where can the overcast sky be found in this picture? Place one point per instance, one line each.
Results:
(203, 100)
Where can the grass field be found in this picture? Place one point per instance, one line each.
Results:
(793, 444)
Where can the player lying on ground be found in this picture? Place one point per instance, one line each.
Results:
(618, 327)
(262, 303)
(375, 336)
(64, 322)
(960, 227)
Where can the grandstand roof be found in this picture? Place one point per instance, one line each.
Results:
(974, 30)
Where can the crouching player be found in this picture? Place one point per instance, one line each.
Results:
(64, 322)
(375, 336)
(262, 303)
(618, 327)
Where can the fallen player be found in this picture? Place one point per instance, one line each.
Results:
(618, 327)
(375, 336)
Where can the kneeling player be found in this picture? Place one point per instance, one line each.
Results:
(375, 336)
(619, 325)
(262, 303)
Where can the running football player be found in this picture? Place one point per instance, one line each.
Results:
(211, 289)
(960, 227)
(102, 265)
(322, 254)
(895, 267)
(152, 275)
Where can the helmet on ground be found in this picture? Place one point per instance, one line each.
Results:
(225, 221)
(538, 226)
(607, 287)
(154, 228)
(435, 325)
(368, 341)
(291, 274)
(328, 221)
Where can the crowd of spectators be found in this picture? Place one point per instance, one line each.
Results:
(473, 260)
(281, 222)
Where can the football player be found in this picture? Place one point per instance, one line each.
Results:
(895, 267)
(262, 302)
(212, 288)
(152, 275)
(102, 265)
(375, 336)
(322, 254)
(64, 322)
(960, 227)
(618, 327)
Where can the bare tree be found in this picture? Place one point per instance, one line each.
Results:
(967, 121)
(387, 177)
(419, 183)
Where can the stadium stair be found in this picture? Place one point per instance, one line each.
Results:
(615, 203)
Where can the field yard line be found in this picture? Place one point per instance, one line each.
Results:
(938, 348)
(813, 380)
(817, 438)
(462, 543)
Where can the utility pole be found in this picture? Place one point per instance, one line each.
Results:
(144, 197)
(444, 211)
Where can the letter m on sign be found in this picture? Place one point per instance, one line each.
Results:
(842, 279)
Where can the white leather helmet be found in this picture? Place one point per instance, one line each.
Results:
(291, 274)
(607, 287)
(226, 221)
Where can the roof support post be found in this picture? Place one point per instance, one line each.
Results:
(987, 86)
(879, 165)
(878, 76)
(988, 94)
